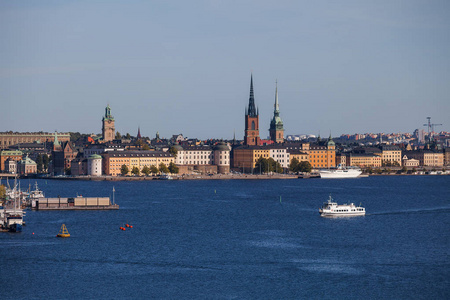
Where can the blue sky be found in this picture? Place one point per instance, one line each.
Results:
(184, 66)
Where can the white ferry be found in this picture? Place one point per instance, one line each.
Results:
(332, 209)
(340, 172)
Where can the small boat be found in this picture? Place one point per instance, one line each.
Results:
(63, 232)
(340, 172)
(164, 176)
(332, 209)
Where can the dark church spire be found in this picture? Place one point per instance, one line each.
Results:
(139, 133)
(252, 112)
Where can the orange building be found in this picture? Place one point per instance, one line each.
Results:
(13, 155)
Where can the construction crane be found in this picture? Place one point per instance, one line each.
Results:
(431, 128)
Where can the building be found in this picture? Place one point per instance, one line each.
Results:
(447, 157)
(246, 156)
(298, 155)
(391, 155)
(11, 166)
(114, 160)
(427, 158)
(410, 162)
(251, 135)
(94, 165)
(62, 156)
(203, 158)
(78, 166)
(26, 166)
(276, 130)
(101, 148)
(9, 155)
(363, 160)
(280, 155)
(10, 138)
(322, 155)
(108, 130)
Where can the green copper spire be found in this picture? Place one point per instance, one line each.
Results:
(108, 114)
(276, 123)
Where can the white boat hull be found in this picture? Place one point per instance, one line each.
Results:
(346, 214)
(331, 174)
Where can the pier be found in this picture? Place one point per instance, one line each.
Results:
(77, 203)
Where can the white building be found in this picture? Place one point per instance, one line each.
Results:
(94, 165)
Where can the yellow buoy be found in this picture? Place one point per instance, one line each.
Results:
(63, 232)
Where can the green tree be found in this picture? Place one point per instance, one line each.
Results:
(404, 169)
(305, 167)
(145, 147)
(135, 171)
(145, 170)
(67, 171)
(118, 135)
(154, 169)
(173, 151)
(293, 165)
(163, 168)
(39, 163)
(173, 168)
(124, 170)
(128, 136)
(46, 161)
(2, 192)
(261, 165)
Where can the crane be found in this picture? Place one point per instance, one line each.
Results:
(430, 127)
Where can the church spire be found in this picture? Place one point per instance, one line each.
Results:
(276, 105)
(139, 133)
(252, 112)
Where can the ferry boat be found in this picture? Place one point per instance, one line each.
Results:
(340, 172)
(332, 209)
(164, 176)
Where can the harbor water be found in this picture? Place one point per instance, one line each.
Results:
(236, 239)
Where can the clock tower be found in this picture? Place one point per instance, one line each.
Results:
(108, 130)
(251, 136)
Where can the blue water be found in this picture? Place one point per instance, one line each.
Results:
(235, 240)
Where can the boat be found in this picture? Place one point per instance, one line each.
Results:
(332, 209)
(164, 176)
(63, 232)
(340, 172)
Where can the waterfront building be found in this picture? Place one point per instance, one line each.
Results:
(62, 156)
(78, 166)
(94, 165)
(11, 166)
(297, 154)
(276, 130)
(108, 130)
(409, 162)
(322, 155)
(391, 154)
(10, 138)
(341, 159)
(26, 166)
(251, 135)
(15, 155)
(246, 156)
(447, 157)
(113, 160)
(363, 160)
(280, 154)
(203, 158)
(427, 158)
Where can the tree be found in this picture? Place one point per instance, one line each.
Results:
(39, 163)
(293, 165)
(118, 135)
(128, 136)
(173, 168)
(261, 165)
(135, 171)
(46, 161)
(146, 147)
(154, 169)
(124, 170)
(67, 171)
(145, 170)
(404, 169)
(305, 167)
(163, 168)
(173, 151)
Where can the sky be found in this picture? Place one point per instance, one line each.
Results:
(184, 66)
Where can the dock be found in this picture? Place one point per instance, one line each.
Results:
(76, 203)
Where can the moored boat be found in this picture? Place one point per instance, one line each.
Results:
(340, 172)
(332, 209)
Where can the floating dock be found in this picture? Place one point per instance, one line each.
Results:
(76, 203)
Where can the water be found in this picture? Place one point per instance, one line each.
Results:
(235, 240)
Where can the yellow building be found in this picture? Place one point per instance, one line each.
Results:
(364, 160)
(114, 160)
(322, 156)
(391, 154)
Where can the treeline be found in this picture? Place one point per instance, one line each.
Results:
(124, 170)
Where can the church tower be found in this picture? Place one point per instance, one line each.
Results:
(108, 130)
(251, 136)
(276, 130)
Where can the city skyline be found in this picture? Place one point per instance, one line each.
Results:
(181, 68)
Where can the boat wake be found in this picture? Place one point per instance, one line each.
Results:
(412, 211)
